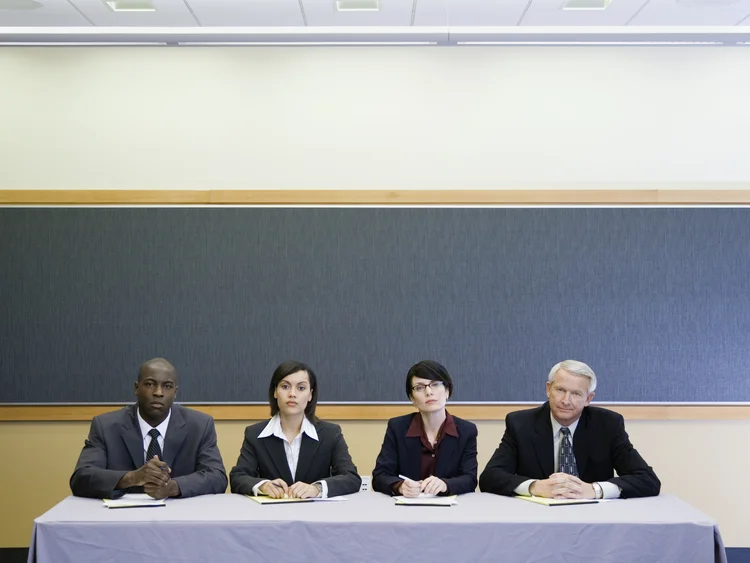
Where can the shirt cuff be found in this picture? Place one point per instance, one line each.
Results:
(258, 485)
(323, 489)
(610, 490)
(523, 488)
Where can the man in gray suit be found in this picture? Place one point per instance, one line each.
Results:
(155, 447)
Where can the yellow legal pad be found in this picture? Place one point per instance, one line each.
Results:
(269, 500)
(558, 501)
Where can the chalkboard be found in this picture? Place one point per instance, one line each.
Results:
(656, 300)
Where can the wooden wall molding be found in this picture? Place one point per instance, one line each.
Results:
(641, 196)
(360, 412)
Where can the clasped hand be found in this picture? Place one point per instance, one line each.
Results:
(562, 485)
(155, 478)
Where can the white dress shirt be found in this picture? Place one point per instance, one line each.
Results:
(146, 428)
(610, 490)
(291, 449)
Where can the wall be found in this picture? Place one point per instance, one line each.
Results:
(40, 458)
(377, 118)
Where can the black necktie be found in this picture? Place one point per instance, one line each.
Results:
(153, 447)
(567, 459)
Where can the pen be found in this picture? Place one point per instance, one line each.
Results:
(405, 478)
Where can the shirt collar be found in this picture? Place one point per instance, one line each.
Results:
(556, 426)
(146, 427)
(416, 428)
(273, 428)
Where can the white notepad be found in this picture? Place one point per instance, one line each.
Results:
(426, 500)
(133, 501)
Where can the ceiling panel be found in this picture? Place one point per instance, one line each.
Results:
(391, 13)
(693, 12)
(550, 12)
(485, 12)
(247, 13)
(169, 13)
(52, 13)
(431, 12)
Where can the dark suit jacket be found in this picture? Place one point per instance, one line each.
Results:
(326, 459)
(600, 444)
(115, 447)
(456, 462)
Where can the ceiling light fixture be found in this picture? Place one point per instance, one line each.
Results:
(357, 5)
(298, 43)
(572, 43)
(20, 5)
(585, 4)
(130, 5)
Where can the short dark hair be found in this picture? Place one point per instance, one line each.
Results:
(288, 368)
(429, 369)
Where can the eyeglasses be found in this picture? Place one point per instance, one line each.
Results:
(420, 388)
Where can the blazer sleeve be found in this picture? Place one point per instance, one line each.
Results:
(466, 479)
(91, 478)
(246, 474)
(386, 471)
(635, 477)
(209, 477)
(500, 476)
(344, 478)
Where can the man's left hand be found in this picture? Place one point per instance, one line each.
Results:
(171, 489)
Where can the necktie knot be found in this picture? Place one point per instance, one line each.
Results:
(154, 433)
(565, 431)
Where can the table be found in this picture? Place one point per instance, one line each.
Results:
(368, 527)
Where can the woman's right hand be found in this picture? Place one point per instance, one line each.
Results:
(410, 489)
(276, 488)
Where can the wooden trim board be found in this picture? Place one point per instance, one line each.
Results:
(353, 411)
(378, 197)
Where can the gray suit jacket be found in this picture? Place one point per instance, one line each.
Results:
(326, 459)
(115, 447)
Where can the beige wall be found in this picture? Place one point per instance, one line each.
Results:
(39, 457)
(374, 118)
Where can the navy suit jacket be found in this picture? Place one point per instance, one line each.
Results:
(600, 444)
(456, 462)
(325, 459)
(115, 446)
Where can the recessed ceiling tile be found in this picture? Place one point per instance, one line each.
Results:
(48, 13)
(247, 13)
(692, 12)
(167, 13)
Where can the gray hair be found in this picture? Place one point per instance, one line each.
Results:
(576, 368)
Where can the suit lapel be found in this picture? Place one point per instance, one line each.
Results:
(176, 435)
(275, 448)
(542, 440)
(131, 435)
(581, 440)
(307, 451)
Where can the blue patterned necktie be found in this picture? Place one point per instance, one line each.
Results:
(153, 447)
(567, 459)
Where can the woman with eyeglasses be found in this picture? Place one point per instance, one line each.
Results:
(435, 450)
(294, 454)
